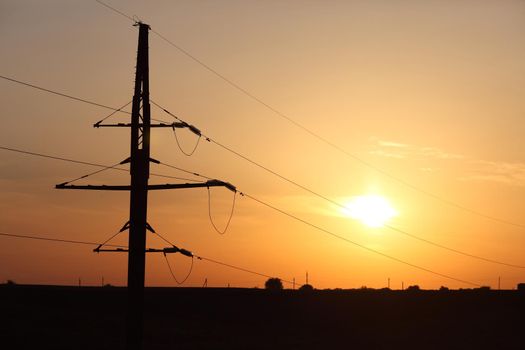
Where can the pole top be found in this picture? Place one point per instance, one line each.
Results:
(141, 24)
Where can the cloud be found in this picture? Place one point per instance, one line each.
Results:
(502, 172)
(407, 151)
(509, 173)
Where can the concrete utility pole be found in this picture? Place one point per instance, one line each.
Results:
(139, 169)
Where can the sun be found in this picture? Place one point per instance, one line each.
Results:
(371, 210)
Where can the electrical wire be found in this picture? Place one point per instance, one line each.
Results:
(164, 239)
(240, 268)
(97, 165)
(448, 202)
(317, 194)
(91, 174)
(173, 275)
(62, 94)
(56, 240)
(221, 232)
(452, 249)
(318, 136)
(115, 10)
(281, 114)
(185, 171)
(377, 252)
(224, 264)
(335, 203)
(120, 246)
(187, 154)
(112, 113)
(335, 146)
(105, 243)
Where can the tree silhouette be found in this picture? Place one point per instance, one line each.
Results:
(306, 288)
(274, 284)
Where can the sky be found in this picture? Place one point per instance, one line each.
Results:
(424, 98)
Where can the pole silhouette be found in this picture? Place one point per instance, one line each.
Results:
(139, 161)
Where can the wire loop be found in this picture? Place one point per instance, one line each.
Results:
(229, 219)
(173, 275)
(187, 154)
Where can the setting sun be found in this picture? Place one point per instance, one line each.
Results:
(371, 210)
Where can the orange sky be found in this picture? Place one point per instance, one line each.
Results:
(429, 92)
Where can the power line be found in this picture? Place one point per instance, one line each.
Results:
(86, 101)
(293, 182)
(58, 240)
(357, 244)
(91, 174)
(173, 275)
(221, 232)
(112, 113)
(185, 171)
(317, 194)
(115, 10)
(274, 208)
(240, 268)
(62, 94)
(457, 251)
(317, 135)
(451, 203)
(452, 249)
(93, 164)
(263, 203)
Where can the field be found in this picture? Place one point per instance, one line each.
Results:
(231, 318)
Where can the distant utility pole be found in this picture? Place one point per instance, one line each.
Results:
(306, 277)
(139, 161)
(388, 282)
(499, 283)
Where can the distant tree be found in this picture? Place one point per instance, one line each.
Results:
(11, 282)
(306, 288)
(274, 284)
(414, 288)
(443, 289)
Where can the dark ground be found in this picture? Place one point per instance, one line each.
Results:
(40, 317)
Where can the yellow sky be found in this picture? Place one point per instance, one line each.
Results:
(429, 92)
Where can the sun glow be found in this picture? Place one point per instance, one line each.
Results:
(371, 210)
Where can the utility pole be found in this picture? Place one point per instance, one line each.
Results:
(139, 161)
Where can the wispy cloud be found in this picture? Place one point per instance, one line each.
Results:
(407, 151)
(509, 173)
(502, 172)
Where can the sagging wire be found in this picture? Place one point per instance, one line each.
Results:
(91, 174)
(112, 113)
(173, 275)
(180, 147)
(124, 228)
(173, 250)
(185, 171)
(231, 213)
(192, 128)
